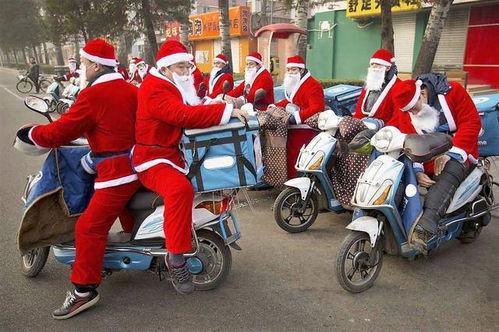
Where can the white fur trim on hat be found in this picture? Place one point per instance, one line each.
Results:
(382, 62)
(173, 58)
(98, 59)
(295, 65)
(415, 98)
(252, 58)
(219, 60)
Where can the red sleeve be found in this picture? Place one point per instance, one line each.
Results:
(238, 91)
(466, 118)
(80, 118)
(282, 103)
(219, 87)
(165, 105)
(315, 102)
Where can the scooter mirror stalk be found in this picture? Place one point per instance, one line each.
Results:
(259, 95)
(225, 88)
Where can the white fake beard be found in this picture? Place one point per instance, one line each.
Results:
(142, 71)
(375, 79)
(291, 82)
(426, 120)
(132, 68)
(249, 75)
(213, 74)
(187, 89)
(72, 67)
(83, 77)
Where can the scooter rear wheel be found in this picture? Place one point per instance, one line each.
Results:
(353, 261)
(216, 258)
(291, 215)
(34, 261)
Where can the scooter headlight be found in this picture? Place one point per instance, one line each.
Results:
(384, 195)
(317, 163)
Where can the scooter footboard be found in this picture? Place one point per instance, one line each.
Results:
(366, 224)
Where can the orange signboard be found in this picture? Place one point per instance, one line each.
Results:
(207, 26)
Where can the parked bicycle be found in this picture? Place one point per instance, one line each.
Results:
(26, 84)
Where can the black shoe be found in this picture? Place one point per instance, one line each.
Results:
(419, 238)
(181, 277)
(74, 304)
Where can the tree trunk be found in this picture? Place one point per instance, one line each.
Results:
(301, 21)
(122, 50)
(387, 26)
(433, 31)
(58, 54)
(152, 50)
(45, 53)
(184, 35)
(77, 47)
(15, 56)
(25, 57)
(225, 29)
(35, 54)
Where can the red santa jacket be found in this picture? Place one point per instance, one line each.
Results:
(463, 120)
(383, 108)
(262, 80)
(216, 87)
(308, 95)
(105, 114)
(199, 82)
(122, 70)
(136, 76)
(70, 74)
(162, 114)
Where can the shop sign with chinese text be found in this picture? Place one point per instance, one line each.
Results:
(359, 8)
(207, 26)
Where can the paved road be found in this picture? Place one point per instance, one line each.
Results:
(279, 281)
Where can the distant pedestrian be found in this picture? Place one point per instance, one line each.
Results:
(34, 73)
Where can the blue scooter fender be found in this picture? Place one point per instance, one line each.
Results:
(369, 225)
(302, 184)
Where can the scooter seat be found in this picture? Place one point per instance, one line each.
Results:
(421, 148)
(145, 199)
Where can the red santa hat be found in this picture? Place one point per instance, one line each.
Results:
(172, 52)
(254, 56)
(407, 93)
(71, 59)
(295, 61)
(137, 61)
(382, 57)
(99, 51)
(220, 58)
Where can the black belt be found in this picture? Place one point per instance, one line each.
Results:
(107, 154)
(159, 146)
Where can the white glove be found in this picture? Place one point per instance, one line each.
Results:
(328, 120)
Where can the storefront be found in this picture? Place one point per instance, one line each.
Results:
(469, 39)
(204, 35)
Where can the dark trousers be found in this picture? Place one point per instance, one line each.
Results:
(441, 193)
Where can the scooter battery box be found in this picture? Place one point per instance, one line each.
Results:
(488, 109)
(224, 157)
(342, 98)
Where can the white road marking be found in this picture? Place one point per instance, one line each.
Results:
(12, 93)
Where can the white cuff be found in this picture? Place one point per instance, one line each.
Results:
(460, 152)
(418, 166)
(32, 140)
(271, 105)
(227, 113)
(297, 117)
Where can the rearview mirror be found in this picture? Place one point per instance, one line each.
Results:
(36, 104)
(259, 95)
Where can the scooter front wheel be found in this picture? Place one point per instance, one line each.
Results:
(215, 258)
(354, 271)
(33, 261)
(290, 212)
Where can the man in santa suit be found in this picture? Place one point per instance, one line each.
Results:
(73, 70)
(167, 103)
(104, 113)
(140, 72)
(430, 104)
(220, 73)
(375, 100)
(256, 76)
(300, 89)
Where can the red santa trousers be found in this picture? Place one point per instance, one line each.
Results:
(178, 196)
(297, 137)
(92, 229)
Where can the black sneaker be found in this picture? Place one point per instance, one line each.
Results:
(181, 277)
(75, 304)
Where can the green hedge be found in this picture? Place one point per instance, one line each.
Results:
(44, 69)
(326, 83)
